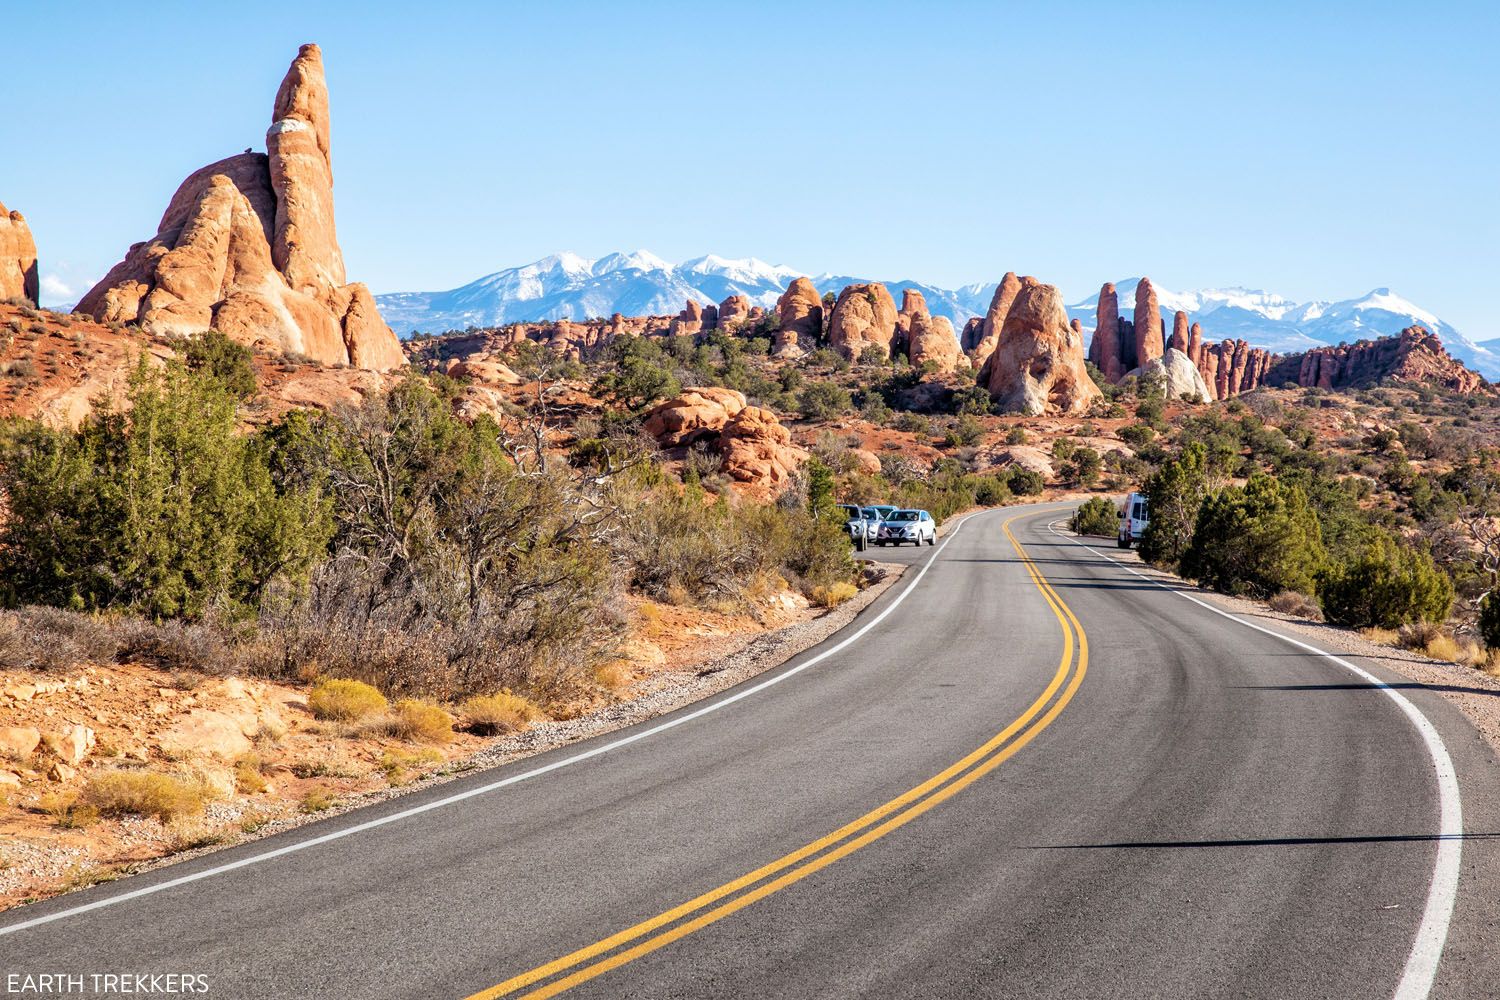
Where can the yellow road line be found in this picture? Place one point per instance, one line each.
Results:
(943, 786)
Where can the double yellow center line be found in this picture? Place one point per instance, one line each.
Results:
(647, 936)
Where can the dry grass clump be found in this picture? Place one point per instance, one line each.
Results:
(1381, 636)
(1290, 602)
(143, 793)
(416, 721)
(400, 768)
(344, 700)
(833, 595)
(40, 638)
(494, 714)
(612, 675)
(318, 800)
(66, 811)
(249, 775)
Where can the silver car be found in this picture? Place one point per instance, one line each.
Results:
(862, 523)
(915, 526)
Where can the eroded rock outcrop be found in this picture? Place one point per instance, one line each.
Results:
(733, 311)
(800, 314)
(1415, 357)
(18, 271)
(1148, 335)
(994, 319)
(758, 451)
(1038, 365)
(864, 316)
(696, 415)
(1180, 335)
(248, 246)
(1105, 348)
(931, 340)
(913, 303)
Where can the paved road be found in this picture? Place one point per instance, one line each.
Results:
(1149, 800)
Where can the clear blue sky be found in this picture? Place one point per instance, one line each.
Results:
(1317, 150)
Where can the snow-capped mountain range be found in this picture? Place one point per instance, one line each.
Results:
(568, 286)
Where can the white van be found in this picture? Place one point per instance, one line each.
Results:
(1133, 520)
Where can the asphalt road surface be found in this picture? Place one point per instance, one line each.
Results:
(1026, 771)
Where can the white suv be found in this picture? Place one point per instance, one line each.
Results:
(915, 526)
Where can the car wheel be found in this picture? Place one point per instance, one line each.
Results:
(932, 538)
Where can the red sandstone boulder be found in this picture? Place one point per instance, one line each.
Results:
(758, 450)
(733, 311)
(864, 316)
(1038, 365)
(1106, 349)
(800, 313)
(1180, 336)
(994, 319)
(696, 415)
(932, 341)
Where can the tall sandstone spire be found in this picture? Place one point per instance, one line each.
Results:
(247, 246)
(18, 274)
(1148, 335)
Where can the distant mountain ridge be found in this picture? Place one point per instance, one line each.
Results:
(569, 286)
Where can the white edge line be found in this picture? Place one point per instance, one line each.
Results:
(504, 782)
(1427, 950)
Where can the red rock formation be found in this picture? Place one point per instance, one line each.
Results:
(1038, 365)
(994, 318)
(689, 322)
(864, 316)
(931, 339)
(733, 311)
(248, 246)
(1208, 364)
(973, 333)
(18, 273)
(1106, 341)
(800, 310)
(758, 450)
(1180, 331)
(1148, 336)
(1416, 357)
(696, 415)
(1195, 343)
(913, 303)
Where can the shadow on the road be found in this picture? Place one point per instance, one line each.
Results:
(1270, 841)
(1400, 686)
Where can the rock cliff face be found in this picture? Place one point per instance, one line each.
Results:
(1038, 365)
(994, 319)
(18, 273)
(800, 312)
(1414, 357)
(248, 246)
(733, 311)
(1180, 377)
(864, 316)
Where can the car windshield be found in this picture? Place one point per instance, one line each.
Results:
(904, 515)
(871, 513)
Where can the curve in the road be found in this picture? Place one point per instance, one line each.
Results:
(1432, 933)
(695, 914)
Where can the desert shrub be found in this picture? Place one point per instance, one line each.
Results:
(318, 800)
(1489, 619)
(1137, 435)
(914, 423)
(824, 400)
(400, 767)
(143, 793)
(344, 700)
(249, 778)
(1174, 494)
(42, 638)
(834, 594)
(874, 354)
(989, 491)
(1097, 516)
(1289, 602)
(1256, 540)
(1062, 449)
(165, 509)
(1387, 585)
(966, 431)
(220, 358)
(494, 714)
(1026, 482)
(418, 722)
(641, 373)
(1016, 435)
(1084, 467)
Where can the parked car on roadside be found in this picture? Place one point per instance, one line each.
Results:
(862, 522)
(1133, 521)
(915, 526)
(884, 510)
